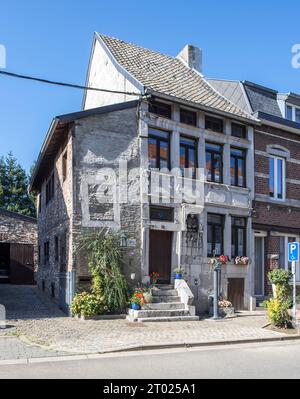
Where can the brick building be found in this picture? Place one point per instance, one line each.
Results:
(18, 249)
(276, 218)
(174, 120)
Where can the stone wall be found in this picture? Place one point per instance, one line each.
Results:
(102, 142)
(54, 220)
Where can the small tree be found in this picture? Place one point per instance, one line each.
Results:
(105, 263)
(278, 307)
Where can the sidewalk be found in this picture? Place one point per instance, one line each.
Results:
(56, 332)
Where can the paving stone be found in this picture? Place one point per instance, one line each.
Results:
(41, 322)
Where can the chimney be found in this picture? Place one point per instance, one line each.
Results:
(192, 56)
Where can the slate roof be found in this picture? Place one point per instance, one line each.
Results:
(262, 99)
(170, 76)
(233, 90)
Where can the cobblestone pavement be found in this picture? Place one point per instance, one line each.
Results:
(41, 323)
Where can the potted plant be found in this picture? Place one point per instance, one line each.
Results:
(279, 277)
(137, 300)
(226, 308)
(178, 273)
(154, 276)
(241, 260)
(216, 262)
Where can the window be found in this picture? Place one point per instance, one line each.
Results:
(56, 248)
(64, 165)
(215, 234)
(188, 117)
(238, 236)
(39, 254)
(63, 252)
(289, 112)
(237, 167)
(292, 113)
(238, 130)
(297, 115)
(46, 252)
(161, 213)
(160, 109)
(214, 162)
(158, 149)
(276, 178)
(188, 156)
(40, 202)
(50, 189)
(213, 124)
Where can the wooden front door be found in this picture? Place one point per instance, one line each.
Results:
(236, 292)
(21, 264)
(160, 254)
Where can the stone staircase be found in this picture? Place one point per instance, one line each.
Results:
(166, 306)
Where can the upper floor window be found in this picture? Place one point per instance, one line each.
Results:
(188, 156)
(50, 189)
(214, 124)
(237, 167)
(160, 109)
(46, 252)
(188, 117)
(238, 236)
(64, 165)
(214, 162)
(276, 178)
(238, 130)
(293, 113)
(158, 149)
(215, 234)
(56, 248)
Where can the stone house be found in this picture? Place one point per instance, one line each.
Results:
(18, 249)
(276, 214)
(109, 166)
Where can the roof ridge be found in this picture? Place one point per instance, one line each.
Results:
(138, 46)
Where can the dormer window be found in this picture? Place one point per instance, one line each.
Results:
(292, 113)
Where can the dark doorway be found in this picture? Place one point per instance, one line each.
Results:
(236, 292)
(160, 254)
(4, 262)
(21, 264)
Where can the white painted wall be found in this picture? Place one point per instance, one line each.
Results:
(104, 73)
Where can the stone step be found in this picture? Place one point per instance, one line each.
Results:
(159, 313)
(163, 292)
(176, 318)
(164, 306)
(165, 286)
(164, 298)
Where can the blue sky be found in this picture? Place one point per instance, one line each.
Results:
(241, 40)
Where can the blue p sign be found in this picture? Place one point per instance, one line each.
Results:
(293, 251)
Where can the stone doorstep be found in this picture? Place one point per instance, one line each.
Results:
(160, 299)
(164, 292)
(164, 306)
(157, 313)
(164, 319)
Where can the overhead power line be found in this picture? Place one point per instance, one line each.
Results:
(73, 86)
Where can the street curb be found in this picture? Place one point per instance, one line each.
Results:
(141, 348)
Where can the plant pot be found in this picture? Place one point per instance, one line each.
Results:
(274, 290)
(135, 306)
(178, 276)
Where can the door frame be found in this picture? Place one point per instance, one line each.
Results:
(262, 235)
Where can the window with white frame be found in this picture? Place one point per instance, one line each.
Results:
(292, 113)
(277, 178)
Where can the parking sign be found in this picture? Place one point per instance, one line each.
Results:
(293, 251)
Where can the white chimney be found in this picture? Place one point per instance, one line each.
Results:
(192, 56)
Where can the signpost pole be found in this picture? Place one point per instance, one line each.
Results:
(294, 294)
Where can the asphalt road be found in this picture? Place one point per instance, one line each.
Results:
(265, 360)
